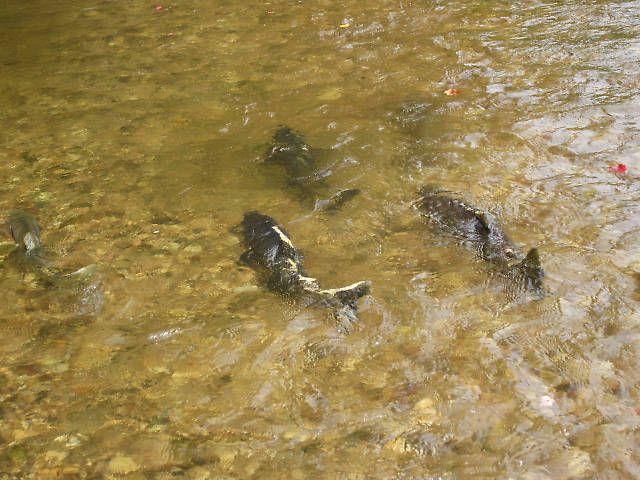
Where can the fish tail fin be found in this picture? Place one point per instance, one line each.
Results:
(531, 269)
(345, 303)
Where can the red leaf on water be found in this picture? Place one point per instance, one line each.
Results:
(451, 91)
(159, 7)
(621, 168)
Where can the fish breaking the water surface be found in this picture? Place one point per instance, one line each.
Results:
(271, 252)
(483, 230)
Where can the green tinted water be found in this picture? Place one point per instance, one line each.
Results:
(140, 150)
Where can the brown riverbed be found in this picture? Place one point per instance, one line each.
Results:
(136, 135)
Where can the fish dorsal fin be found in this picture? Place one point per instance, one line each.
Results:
(532, 259)
(484, 219)
(532, 270)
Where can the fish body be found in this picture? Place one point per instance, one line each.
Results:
(336, 201)
(290, 150)
(270, 248)
(271, 252)
(25, 230)
(28, 256)
(482, 229)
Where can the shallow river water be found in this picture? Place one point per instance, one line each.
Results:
(137, 136)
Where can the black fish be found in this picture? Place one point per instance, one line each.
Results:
(271, 252)
(482, 229)
(290, 150)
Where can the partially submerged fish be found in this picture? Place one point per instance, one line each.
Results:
(336, 201)
(271, 252)
(483, 230)
(25, 231)
(290, 150)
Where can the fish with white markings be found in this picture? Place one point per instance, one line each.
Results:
(271, 252)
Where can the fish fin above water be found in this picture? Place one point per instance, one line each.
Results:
(532, 260)
(531, 269)
(493, 230)
(484, 219)
(497, 247)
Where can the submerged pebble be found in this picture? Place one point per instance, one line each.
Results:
(424, 412)
(121, 464)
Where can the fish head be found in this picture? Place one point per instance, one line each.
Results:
(500, 250)
(254, 224)
(287, 135)
(497, 246)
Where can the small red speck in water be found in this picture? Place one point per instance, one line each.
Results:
(171, 34)
(159, 7)
(452, 91)
(621, 168)
(269, 11)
